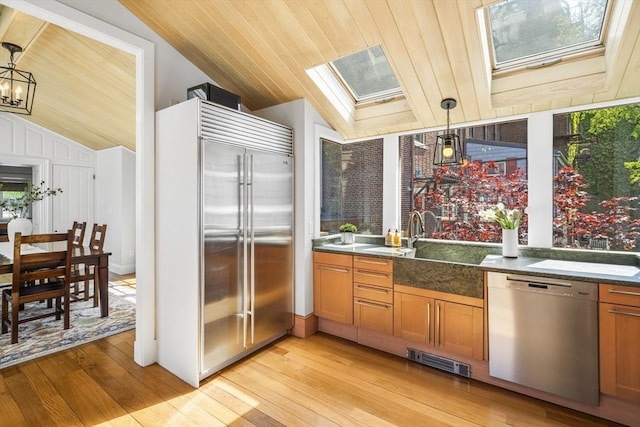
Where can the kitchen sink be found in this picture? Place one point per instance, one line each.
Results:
(406, 252)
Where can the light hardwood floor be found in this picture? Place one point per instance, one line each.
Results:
(319, 381)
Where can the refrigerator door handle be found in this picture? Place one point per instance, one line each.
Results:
(253, 252)
(243, 222)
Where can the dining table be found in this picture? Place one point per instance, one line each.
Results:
(80, 255)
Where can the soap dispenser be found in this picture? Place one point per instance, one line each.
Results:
(396, 239)
(388, 239)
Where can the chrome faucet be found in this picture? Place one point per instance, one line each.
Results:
(415, 221)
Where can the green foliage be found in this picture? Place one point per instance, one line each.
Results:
(634, 171)
(348, 228)
(615, 134)
(18, 207)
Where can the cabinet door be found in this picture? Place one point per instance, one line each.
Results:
(333, 292)
(459, 329)
(413, 316)
(620, 351)
(373, 315)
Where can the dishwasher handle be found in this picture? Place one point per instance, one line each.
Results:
(539, 281)
(544, 285)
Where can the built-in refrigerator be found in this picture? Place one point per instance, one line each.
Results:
(224, 240)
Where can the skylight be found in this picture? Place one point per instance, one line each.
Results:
(525, 33)
(367, 75)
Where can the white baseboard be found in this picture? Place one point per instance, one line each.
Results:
(122, 269)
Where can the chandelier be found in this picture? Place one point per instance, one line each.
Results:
(448, 149)
(17, 88)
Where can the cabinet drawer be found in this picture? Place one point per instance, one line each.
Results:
(623, 295)
(373, 293)
(372, 263)
(373, 315)
(372, 277)
(333, 259)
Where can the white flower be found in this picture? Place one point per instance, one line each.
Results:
(507, 218)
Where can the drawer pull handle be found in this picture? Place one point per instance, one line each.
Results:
(428, 323)
(437, 325)
(339, 270)
(624, 313)
(615, 291)
(373, 289)
(370, 261)
(372, 274)
(372, 304)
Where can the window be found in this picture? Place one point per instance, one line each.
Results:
(494, 170)
(525, 32)
(367, 75)
(14, 181)
(596, 161)
(351, 183)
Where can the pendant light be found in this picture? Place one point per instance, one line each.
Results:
(448, 149)
(17, 88)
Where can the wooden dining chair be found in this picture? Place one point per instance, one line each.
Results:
(39, 274)
(78, 232)
(78, 229)
(88, 272)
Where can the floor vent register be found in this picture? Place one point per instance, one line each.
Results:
(439, 362)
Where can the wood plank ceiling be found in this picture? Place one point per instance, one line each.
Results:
(85, 89)
(261, 49)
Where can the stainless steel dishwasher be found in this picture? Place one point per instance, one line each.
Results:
(543, 333)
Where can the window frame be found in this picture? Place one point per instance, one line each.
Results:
(530, 62)
(380, 96)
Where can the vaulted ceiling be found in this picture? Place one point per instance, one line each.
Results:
(85, 89)
(262, 49)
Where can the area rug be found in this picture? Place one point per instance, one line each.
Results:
(44, 336)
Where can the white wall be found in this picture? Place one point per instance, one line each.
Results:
(115, 206)
(23, 143)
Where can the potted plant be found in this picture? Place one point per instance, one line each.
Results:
(18, 208)
(347, 231)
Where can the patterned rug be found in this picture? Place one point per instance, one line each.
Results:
(44, 336)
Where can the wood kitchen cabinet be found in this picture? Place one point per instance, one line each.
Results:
(373, 293)
(333, 286)
(619, 324)
(449, 322)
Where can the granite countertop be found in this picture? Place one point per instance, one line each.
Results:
(610, 268)
(615, 274)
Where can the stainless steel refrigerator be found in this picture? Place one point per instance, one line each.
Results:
(247, 226)
(224, 241)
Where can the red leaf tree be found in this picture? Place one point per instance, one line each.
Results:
(613, 224)
(471, 188)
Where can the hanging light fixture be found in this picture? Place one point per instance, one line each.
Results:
(17, 88)
(448, 149)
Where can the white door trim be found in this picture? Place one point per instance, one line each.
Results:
(145, 349)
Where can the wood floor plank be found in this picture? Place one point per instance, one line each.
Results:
(260, 383)
(10, 415)
(365, 396)
(89, 401)
(361, 381)
(380, 361)
(318, 381)
(241, 413)
(146, 406)
(53, 405)
(265, 412)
